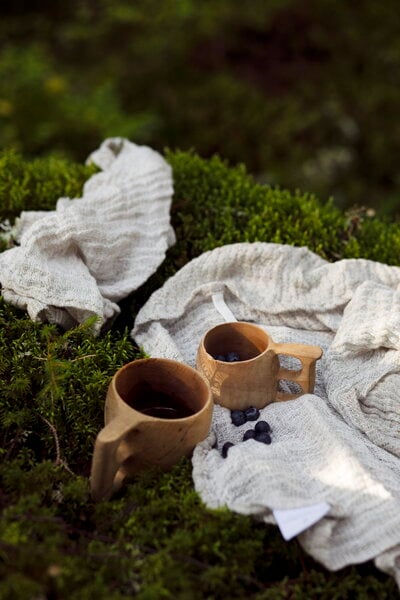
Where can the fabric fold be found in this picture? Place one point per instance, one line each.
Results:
(82, 258)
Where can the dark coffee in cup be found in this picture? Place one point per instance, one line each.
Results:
(158, 404)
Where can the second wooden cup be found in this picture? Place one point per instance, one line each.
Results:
(253, 379)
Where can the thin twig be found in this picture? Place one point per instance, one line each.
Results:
(82, 357)
(71, 361)
(59, 460)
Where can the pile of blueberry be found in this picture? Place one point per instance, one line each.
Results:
(230, 357)
(239, 417)
(260, 433)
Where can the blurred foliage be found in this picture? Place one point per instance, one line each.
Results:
(305, 94)
(155, 539)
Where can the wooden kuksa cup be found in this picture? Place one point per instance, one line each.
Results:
(254, 380)
(132, 440)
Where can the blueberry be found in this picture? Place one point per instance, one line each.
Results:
(232, 357)
(262, 427)
(238, 417)
(263, 437)
(249, 435)
(220, 357)
(252, 413)
(225, 448)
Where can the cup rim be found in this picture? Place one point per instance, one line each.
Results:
(170, 361)
(236, 363)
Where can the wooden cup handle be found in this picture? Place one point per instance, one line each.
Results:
(108, 456)
(305, 377)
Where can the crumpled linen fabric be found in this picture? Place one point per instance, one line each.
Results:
(339, 445)
(85, 256)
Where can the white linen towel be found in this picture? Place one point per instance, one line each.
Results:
(82, 258)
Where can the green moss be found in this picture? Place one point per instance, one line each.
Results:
(155, 539)
(52, 386)
(216, 205)
(377, 240)
(38, 184)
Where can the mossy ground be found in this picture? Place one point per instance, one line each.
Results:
(155, 539)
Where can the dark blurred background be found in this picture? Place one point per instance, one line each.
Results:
(305, 94)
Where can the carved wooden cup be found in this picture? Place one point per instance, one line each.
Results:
(156, 411)
(254, 379)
